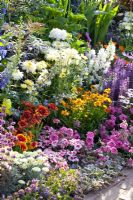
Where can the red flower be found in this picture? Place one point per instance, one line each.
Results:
(23, 146)
(21, 138)
(52, 106)
(29, 105)
(33, 145)
(22, 123)
(42, 111)
(36, 119)
(27, 114)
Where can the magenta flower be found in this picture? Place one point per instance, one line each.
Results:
(110, 123)
(123, 117)
(56, 121)
(114, 150)
(131, 110)
(53, 137)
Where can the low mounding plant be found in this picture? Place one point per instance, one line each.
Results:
(116, 133)
(62, 184)
(66, 141)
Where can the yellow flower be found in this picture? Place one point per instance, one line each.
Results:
(8, 105)
(105, 107)
(97, 103)
(24, 86)
(29, 82)
(65, 112)
(108, 90)
(64, 103)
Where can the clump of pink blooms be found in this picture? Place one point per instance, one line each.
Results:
(7, 139)
(65, 141)
(90, 140)
(115, 133)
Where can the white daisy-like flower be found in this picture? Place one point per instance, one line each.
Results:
(29, 66)
(41, 65)
(58, 34)
(17, 75)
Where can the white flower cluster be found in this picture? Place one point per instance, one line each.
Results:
(64, 56)
(17, 75)
(127, 99)
(38, 70)
(58, 34)
(35, 161)
(127, 24)
(99, 63)
(61, 63)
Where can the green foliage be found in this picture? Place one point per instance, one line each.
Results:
(89, 15)
(103, 20)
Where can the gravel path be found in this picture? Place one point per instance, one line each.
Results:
(122, 189)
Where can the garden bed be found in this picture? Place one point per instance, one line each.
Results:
(66, 99)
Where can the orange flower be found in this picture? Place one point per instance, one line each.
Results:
(22, 123)
(33, 145)
(122, 49)
(22, 138)
(23, 146)
(65, 112)
(42, 111)
(36, 119)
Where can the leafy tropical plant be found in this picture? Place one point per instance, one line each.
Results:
(102, 21)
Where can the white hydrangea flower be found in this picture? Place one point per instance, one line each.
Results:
(58, 34)
(17, 75)
(29, 66)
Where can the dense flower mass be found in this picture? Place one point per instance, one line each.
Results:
(66, 141)
(66, 97)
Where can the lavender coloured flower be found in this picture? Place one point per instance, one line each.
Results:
(119, 78)
(4, 78)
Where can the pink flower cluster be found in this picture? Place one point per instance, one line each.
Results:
(65, 141)
(115, 134)
(90, 140)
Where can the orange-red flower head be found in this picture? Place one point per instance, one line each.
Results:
(22, 124)
(52, 106)
(21, 138)
(42, 111)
